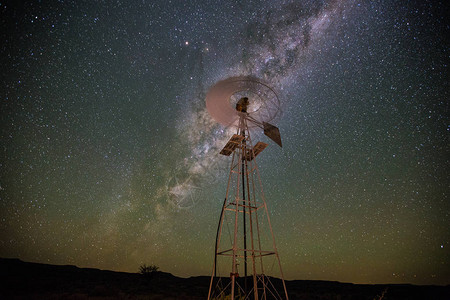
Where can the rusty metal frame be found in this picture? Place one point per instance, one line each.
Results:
(244, 171)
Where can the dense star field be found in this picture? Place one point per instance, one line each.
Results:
(110, 160)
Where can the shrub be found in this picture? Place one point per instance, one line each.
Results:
(148, 270)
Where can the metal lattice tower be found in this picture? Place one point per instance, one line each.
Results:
(245, 249)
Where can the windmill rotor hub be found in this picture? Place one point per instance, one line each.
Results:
(242, 104)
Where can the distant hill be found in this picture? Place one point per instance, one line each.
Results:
(23, 280)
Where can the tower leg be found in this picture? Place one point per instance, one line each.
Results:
(244, 216)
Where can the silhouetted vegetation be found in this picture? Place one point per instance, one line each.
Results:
(148, 270)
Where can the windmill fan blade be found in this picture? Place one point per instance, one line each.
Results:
(273, 133)
(222, 101)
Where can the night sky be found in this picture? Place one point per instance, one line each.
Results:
(110, 160)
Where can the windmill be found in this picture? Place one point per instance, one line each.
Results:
(242, 262)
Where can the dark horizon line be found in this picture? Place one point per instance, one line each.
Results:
(208, 276)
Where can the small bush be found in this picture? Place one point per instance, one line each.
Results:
(148, 270)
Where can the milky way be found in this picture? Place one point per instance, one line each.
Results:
(273, 47)
(110, 159)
